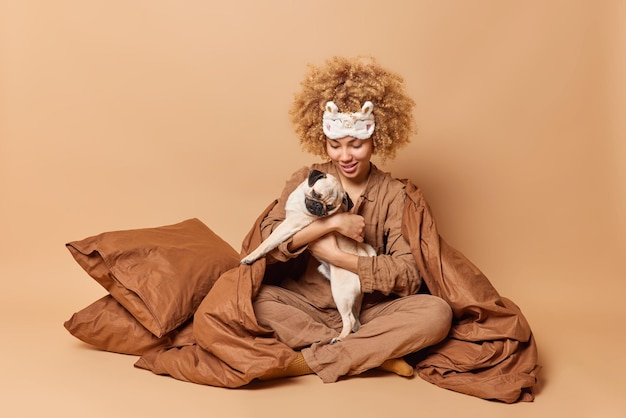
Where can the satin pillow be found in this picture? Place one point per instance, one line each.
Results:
(159, 275)
(107, 325)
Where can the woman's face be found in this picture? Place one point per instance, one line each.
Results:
(351, 156)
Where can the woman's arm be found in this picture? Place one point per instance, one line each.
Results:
(326, 248)
(322, 243)
(344, 223)
(347, 224)
(394, 270)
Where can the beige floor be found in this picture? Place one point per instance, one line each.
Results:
(48, 372)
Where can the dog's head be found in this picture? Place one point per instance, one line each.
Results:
(325, 195)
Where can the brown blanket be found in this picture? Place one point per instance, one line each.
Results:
(490, 352)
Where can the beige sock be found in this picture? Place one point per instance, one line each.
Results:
(296, 368)
(397, 366)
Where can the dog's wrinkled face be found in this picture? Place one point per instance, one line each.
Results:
(324, 195)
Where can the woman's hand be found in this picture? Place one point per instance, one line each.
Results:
(324, 247)
(349, 225)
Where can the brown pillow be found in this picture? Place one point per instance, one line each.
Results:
(160, 275)
(107, 325)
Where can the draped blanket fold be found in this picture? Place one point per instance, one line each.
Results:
(490, 351)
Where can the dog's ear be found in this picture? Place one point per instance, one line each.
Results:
(348, 202)
(314, 176)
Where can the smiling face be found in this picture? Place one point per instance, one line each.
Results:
(351, 156)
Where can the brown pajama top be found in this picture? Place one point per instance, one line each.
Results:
(394, 271)
(395, 321)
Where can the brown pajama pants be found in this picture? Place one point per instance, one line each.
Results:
(389, 329)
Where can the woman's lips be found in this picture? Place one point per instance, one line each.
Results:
(349, 168)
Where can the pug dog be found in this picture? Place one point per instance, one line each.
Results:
(318, 196)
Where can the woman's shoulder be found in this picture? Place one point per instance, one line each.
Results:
(386, 181)
(302, 174)
(326, 167)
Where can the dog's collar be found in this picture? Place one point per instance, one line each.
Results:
(357, 125)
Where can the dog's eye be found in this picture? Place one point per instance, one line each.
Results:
(329, 208)
(315, 195)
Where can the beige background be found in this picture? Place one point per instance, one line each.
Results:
(127, 114)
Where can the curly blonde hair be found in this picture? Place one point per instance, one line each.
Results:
(349, 83)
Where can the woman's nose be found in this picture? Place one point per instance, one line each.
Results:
(345, 155)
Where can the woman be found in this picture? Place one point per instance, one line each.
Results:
(348, 111)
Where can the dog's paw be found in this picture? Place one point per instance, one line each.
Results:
(335, 340)
(247, 261)
(356, 326)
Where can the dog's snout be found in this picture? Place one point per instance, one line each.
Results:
(314, 207)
